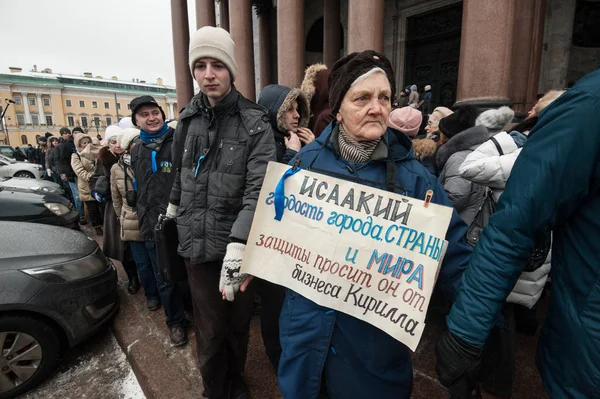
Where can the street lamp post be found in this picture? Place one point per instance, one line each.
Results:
(8, 102)
(98, 124)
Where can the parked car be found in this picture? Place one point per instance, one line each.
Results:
(56, 289)
(22, 206)
(11, 168)
(12, 152)
(23, 184)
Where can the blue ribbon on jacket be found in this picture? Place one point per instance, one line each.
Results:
(280, 193)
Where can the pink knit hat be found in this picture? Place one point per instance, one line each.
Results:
(407, 120)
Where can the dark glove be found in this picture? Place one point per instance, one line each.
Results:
(98, 197)
(458, 365)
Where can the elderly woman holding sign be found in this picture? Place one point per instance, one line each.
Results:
(324, 349)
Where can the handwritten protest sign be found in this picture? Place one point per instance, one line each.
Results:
(366, 252)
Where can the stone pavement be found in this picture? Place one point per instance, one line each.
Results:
(167, 372)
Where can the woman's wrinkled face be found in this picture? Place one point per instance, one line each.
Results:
(366, 107)
(432, 124)
(113, 145)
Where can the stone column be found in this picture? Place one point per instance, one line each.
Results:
(486, 52)
(365, 25)
(527, 51)
(332, 39)
(171, 111)
(290, 42)
(264, 49)
(42, 116)
(224, 17)
(181, 42)
(241, 33)
(205, 13)
(26, 107)
(557, 44)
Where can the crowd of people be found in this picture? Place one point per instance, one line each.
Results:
(517, 188)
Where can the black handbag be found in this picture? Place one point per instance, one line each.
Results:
(171, 266)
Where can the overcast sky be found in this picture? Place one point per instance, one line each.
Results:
(125, 38)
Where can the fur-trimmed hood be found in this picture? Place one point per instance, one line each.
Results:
(424, 148)
(462, 141)
(308, 86)
(278, 99)
(77, 137)
(315, 87)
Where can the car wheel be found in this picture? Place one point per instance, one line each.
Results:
(29, 350)
(25, 174)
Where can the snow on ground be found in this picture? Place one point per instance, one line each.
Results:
(96, 369)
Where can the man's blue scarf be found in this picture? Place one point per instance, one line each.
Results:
(150, 137)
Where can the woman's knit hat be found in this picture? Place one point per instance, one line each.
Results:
(462, 119)
(407, 120)
(127, 136)
(495, 119)
(441, 112)
(111, 131)
(216, 43)
(346, 70)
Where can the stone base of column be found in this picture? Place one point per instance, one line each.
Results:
(483, 104)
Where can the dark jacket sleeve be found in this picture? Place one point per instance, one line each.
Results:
(289, 154)
(549, 181)
(99, 170)
(63, 158)
(262, 151)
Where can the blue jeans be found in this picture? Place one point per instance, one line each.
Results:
(170, 295)
(144, 267)
(77, 202)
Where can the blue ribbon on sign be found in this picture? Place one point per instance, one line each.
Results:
(280, 193)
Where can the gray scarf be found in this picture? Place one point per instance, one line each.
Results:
(355, 151)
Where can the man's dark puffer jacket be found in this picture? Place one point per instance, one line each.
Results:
(226, 152)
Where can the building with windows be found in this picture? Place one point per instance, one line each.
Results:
(46, 101)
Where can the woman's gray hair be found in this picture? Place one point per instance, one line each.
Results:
(367, 74)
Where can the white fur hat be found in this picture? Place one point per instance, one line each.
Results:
(125, 123)
(127, 136)
(111, 131)
(495, 119)
(428, 87)
(211, 42)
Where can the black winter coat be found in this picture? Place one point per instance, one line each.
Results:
(62, 158)
(112, 245)
(227, 149)
(151, 186)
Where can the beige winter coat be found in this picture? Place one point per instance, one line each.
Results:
(130, 227)
(83, 166)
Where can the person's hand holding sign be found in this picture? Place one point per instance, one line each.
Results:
(231, 279)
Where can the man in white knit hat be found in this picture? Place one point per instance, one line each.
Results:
(226, 142)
